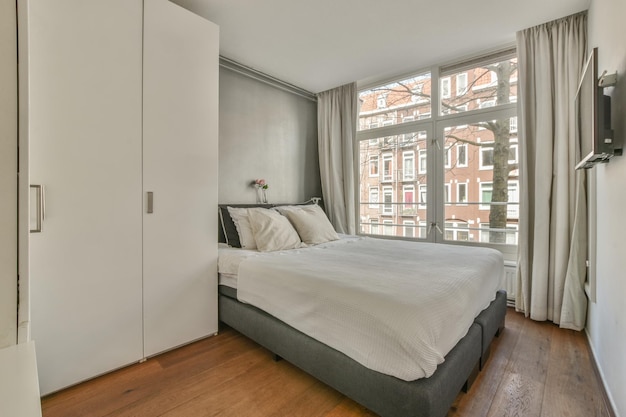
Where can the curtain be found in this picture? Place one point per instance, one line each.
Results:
(336, 126)
(553, 215)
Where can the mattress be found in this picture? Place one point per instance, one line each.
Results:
(395, 307)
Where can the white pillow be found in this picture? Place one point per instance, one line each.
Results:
(242, 223)
(272, 231)
(311, 223)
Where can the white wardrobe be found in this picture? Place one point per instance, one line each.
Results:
(119, 112)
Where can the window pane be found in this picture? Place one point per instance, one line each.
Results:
(374, 166)
(487, 85)
(397, 196)
(484, 204)
(395, 103)
(409, 228)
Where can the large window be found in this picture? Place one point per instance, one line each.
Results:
(448, 156)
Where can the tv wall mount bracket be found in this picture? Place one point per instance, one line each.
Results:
(607, 80)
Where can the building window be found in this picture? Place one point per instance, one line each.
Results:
(374, 226)
(461, 193)
(422, 161)
(422, 231)
(486, 190)
(511, 233)
(388, 228)
(461, 84)
(512, 206)
(423, 193)
(486, 157)
(387, 167)
(408, 166)
(387, 200)
(487, 103)
(408, 197)
(381, 102)
(461, 155)
(445, 87)
(374, 166)
(373, 200)
(409, 228)
(446, 194)
(458, 231)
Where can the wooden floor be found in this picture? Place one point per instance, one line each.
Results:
(535, 370)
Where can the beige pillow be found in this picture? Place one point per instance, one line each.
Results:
(272, 231)
(311, 223)
(242, 224)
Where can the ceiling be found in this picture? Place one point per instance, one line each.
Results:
(321, 44)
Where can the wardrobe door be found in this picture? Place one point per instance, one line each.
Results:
(84, 70)
(180, 176)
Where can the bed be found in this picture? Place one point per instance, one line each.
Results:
(413, 381)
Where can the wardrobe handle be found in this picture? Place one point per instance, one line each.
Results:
(150, 202)
(40, 197)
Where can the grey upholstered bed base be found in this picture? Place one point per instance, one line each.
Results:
(383, 394)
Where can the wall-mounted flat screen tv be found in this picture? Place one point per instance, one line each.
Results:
(593, 111)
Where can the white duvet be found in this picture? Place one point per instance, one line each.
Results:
(396, 307)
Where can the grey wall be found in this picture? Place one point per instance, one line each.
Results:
(8, 174)
(266, 133)
(606, 322)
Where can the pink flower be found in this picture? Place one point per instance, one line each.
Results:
(261, 184)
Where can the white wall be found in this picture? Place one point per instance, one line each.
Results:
(8, 174)
(266, 133)
(606, 324)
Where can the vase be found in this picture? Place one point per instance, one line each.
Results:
(261, 196)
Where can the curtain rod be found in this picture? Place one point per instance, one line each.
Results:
(264, 78)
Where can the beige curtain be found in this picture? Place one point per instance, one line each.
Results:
(336, 129)
(553, 220)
